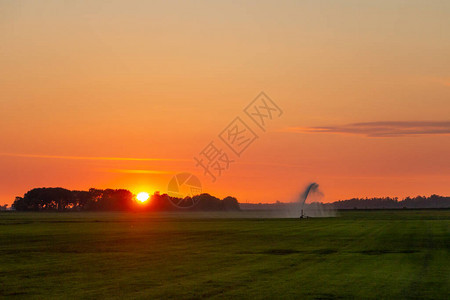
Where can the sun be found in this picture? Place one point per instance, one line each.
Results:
(142, 197)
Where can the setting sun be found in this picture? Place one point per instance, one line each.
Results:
(142, 197)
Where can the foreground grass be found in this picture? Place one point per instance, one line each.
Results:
(371, 255)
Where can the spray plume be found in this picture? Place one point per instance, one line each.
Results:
(311, 188)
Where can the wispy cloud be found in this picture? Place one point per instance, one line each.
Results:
(89, 157)
(381, 129)
(131, 171)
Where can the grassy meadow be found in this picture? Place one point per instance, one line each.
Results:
(359, 254)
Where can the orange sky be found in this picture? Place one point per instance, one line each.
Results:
(84, 87)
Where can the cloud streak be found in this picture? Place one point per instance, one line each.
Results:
(382, 129)
(89, 157)
(132, 171)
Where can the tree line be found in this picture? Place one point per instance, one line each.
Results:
(434, 201)
(419, 202)
(60, 199)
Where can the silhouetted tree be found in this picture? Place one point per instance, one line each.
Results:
(59, 199)
(230, 203)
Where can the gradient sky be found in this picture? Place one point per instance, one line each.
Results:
(123, 94)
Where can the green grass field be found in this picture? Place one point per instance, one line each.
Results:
(361, 254)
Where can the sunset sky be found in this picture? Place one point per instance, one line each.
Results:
(124, 94)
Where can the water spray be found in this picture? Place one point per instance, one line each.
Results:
(302, 199)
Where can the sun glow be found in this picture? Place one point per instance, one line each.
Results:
(142, 197)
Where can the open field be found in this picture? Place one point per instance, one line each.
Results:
(361, 254)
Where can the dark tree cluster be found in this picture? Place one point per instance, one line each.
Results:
(203, 202)
(60, 199)
(434, 201)
(419, 202)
